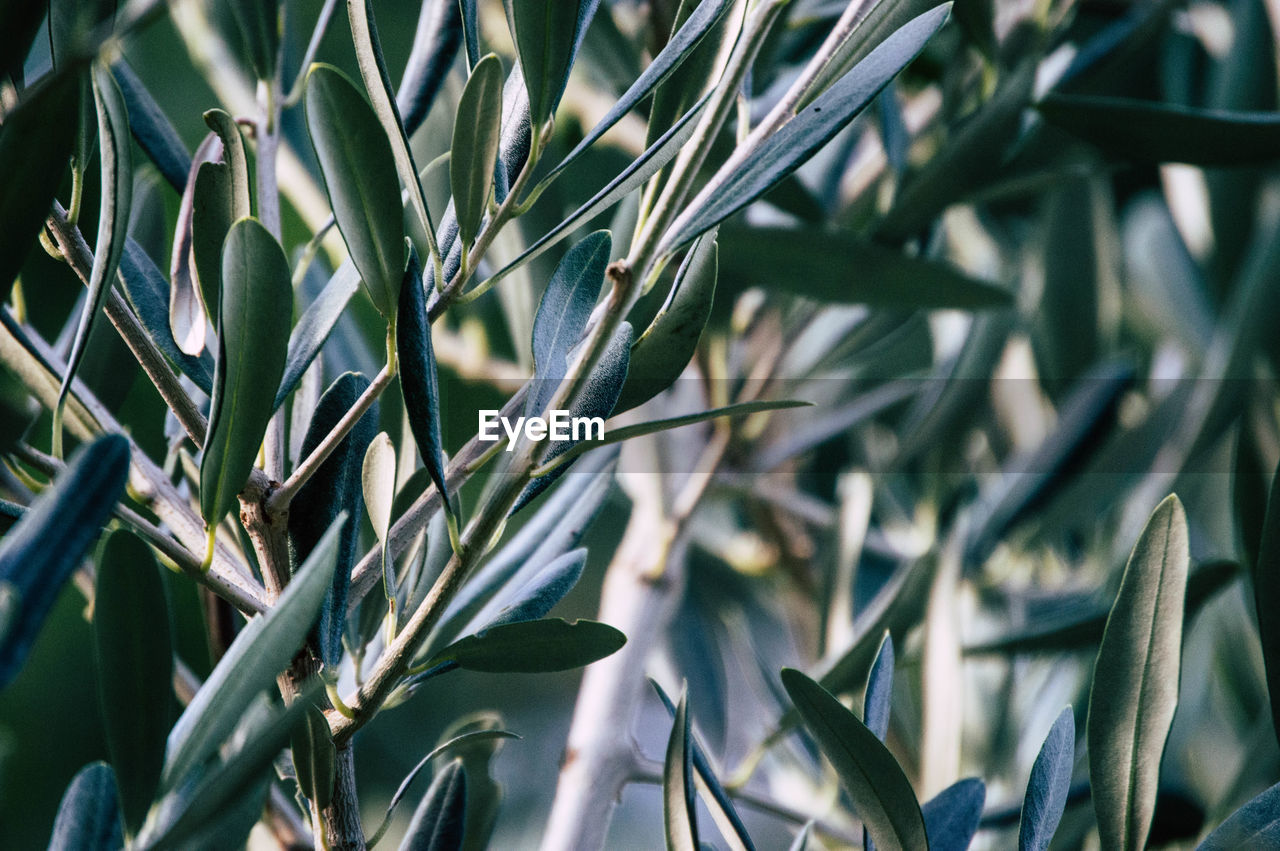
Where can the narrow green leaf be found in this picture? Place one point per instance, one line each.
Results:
(682, 44)
(679, 813)
(378, 480)
(1135, 680)
(1047, 788)
(881, 793)
(35, 146)
(1148, 131)
(477, 129)
(668, 344)
(333, 489)
(547, 34)
(876, 702)
(419, 379)
(254, 314)
(147, 292)
(315, 325)
(89, 814)
(359, 172)
(212, 214)
(315, 758)
(435, 46)
(135, 668)
(539, 595)
(1266, 591)
(951, 817)
(471, 30)
(549, 644)
(113, 128)
(618, 435)
(263, 648)
(151, 127)
(783, 152)
(1255, 825)
(439, 822)
(188, 299)
(71, 512)
(259, 25)
(373, 70)
(562, 315)
(834, 266)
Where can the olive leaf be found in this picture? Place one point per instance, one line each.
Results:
(89, 814)
(547, 35)
(1135, 680)
(679, 813)
(71, 512)
(1047, 788)
(359, 172)
(476, 133)
(880, 790)
(135, 668)
(537, 646)
(254, 314)
(314, 757)
(439, 822)
(113, 222)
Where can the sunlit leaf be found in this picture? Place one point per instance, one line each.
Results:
(1135, 680)
(679, 813)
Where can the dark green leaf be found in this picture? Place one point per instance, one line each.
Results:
(151, 127)
(359, 173)
(333, 489)
(419, 380)
(233, 155)
(315, 325)
(1255, 825)
(1161, 132)
(837, 267)
(471, 30)
(35, 146)
(1046, 796)
(435, 45)
(135, 668)
(881, 793)
(315, 758)
(259, 25)
(147, 292)
(562, 315)
(547, 34)
(254, 314)
(477, 129)
(1135, 680)
(45, 547)
(784, 151)
(89, 815)
(212, 214)
(262, 650)
(951, 817)
(875, 704)
(439, 822)
(679, 813)
(668, 344)
(550, 644)
(189, 291)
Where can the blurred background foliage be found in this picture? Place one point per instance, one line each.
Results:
(1015, 448)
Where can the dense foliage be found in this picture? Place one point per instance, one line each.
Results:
(933, 508)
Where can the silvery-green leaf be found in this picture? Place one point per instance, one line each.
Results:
(1047, 788)
(881, 793)
(135, 668)
(70, 512)
(547, 35)
(951, 817)
(262, 649)
(476, 133)
(562, 315)
(188, 308)
(679, 813)
(359, 171)
(332, 490)
(147, 292)
(538, 646)
(439, 821)
(151, 127)
(540, 594)
(815, 125)
(314, 757)
(254, 314)
(113, 216)
(89, 814)
(1135, 680)
(1255, 825)
(315, 325)
(875, 705)
(435, 45)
